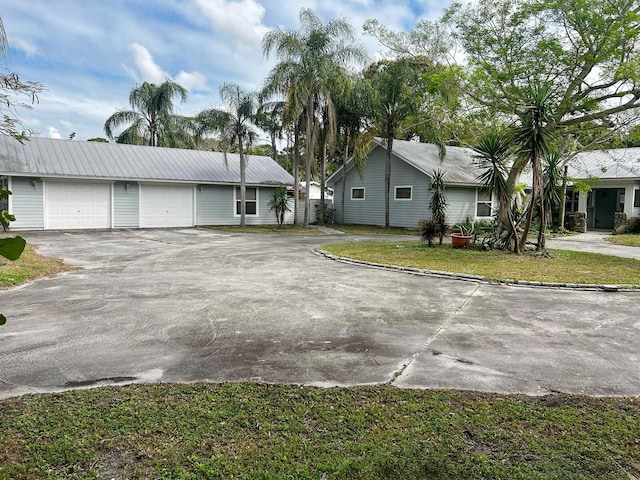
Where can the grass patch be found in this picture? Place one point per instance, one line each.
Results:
(276, 431)
(374, 230)
(285, 229)
(29, 266)
(629, 239)
(563, 266)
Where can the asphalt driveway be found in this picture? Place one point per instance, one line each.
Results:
(191, 305)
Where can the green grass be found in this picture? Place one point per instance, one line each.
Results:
(270, 229)
(373, 230)
(254, 431)
(28, 267)
(562, 266)
(629, 239)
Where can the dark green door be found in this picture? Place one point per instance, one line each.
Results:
(605, 207)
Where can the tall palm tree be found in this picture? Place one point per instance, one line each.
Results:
(235, 124)
(310, 60)
(151, 111)
(534, 137)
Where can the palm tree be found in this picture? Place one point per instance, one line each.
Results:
(310, 61)
(493, 152)
(235, 124)
(533, 136)
(392, 101)
(151, 112)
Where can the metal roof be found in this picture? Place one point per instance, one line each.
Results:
(46, 157)
(606, 164)
(458, 164)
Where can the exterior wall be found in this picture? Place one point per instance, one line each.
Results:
(403, 213)
(26, 203)
(126, 205)
(215, 205)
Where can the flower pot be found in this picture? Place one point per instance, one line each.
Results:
(458, 240)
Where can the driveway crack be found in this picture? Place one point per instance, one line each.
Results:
(431, 339)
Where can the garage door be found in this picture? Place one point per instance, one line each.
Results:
(77, 205)
(166, 206)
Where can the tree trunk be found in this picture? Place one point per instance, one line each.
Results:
(387, 180)
(562, 206)
(310, 131)
(243, 185)
(296, 173)
(536, 162)
(323, 177)
(345, 156)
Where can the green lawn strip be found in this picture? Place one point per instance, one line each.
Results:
(629, 239)
(270, 229)
(28, 267)
(373, 230)
(279, 431)
(562, 266)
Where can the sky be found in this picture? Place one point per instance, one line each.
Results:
(89, 54)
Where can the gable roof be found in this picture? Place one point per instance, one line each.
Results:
(458, 164)
(618, 163)
(48, 157)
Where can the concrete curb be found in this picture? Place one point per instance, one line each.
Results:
(591, 287)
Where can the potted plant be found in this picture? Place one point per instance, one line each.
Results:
(463, 238)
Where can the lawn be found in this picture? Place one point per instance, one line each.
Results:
(276, 431)
(270, 229)
(373, 230)
(560, 266)
(629, 239)
(28, 267)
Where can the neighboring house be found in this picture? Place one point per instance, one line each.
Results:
(64, 184)
(314, 191)
(412, 165)
(614, 176)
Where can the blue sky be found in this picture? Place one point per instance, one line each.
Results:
(90, 53)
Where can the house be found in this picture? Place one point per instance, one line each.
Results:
(315, 191)
(412, 165)
(66, 184)
(614, 177)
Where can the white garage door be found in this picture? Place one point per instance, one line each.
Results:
(166, 206)
(77, 205)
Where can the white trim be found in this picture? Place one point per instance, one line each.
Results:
(395, 193)
(257, 200)
(10, 200)
(492, 205)
(113, 202)
(194, 193)
(364, 192)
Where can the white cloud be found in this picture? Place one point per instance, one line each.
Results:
(29, 48)
(239, 22)
(192, 80)
(54, 133)
(148, 69)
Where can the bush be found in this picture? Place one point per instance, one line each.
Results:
(429, 230)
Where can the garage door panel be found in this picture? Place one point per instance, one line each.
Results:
(70, 205)
(166, 206)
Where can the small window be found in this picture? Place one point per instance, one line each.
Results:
(636, 198)
(571, 201)
(403, 193)
(357, 193)
(251, 201)
(484, 204)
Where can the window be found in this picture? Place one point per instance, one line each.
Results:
(636, 198)
(251, 200)
(571, 201)
(357, 193)
(484, 204)
(403, 193)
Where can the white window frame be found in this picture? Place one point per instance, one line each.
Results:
(491, 204)
(236, 200)
(395, 193)
(364, 193)
(573, 199)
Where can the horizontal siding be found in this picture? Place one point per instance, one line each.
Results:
(369, 211)
(461, 203)
(27, 204)
(337, 200)
(407, 213)
(215, 206)
(126, 205)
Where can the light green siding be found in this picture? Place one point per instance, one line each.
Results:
(126, 205)
(27, 203)
(215, 205)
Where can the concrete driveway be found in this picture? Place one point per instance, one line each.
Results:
(190, 305)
